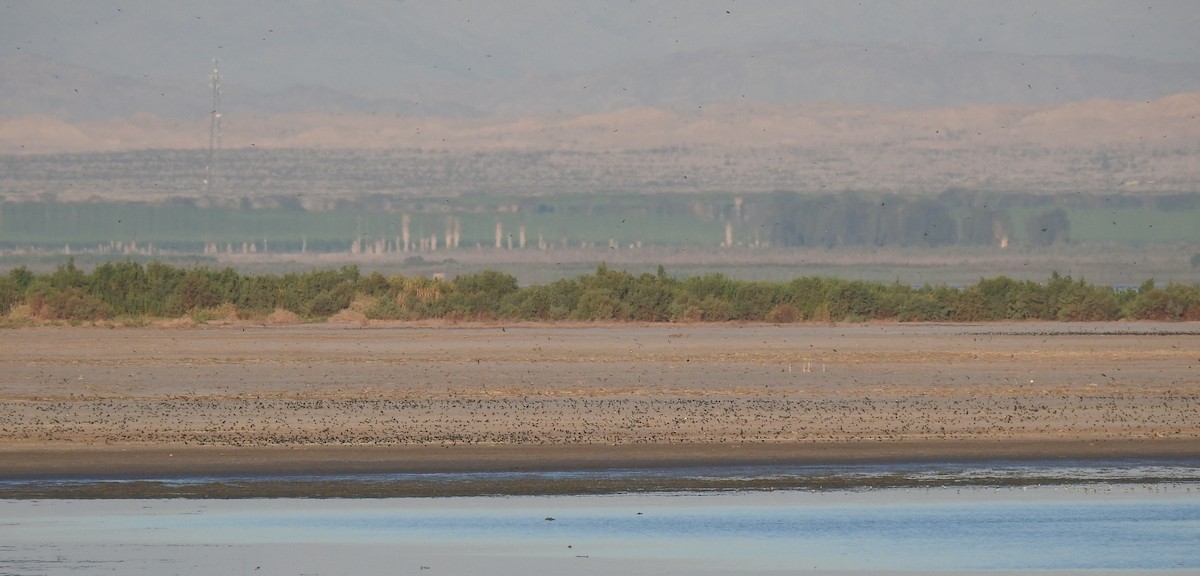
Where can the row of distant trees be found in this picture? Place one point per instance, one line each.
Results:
(130, 290)
(374, 222)
(861, 219)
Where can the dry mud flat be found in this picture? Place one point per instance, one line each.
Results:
(248, 399)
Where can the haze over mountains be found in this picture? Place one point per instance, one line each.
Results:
(105, 59)
(953, 76)
(780, 72)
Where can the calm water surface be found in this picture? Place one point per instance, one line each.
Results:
(1064, 529)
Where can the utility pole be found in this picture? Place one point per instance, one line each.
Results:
(214, 129)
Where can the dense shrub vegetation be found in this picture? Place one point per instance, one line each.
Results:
(130, 290)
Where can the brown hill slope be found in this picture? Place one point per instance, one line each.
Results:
(749, 147)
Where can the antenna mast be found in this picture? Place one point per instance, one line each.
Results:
(214, 129)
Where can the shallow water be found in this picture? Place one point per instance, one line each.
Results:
(1132, 528)
(613, 481)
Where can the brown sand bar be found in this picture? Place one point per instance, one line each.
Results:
(248, 399)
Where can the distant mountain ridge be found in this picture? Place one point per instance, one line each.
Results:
(787, 72)
(887, 75)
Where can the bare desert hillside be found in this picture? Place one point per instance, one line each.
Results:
(1100, 145)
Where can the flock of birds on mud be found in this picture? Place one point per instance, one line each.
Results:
(559, 420)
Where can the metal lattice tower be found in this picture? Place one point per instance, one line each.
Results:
(214, 129)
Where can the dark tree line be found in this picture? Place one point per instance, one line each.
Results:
(864, 219)
(131, 290)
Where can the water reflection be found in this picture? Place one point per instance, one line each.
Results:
(1136, 527)
(613, 481)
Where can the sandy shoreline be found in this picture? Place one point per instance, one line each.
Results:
(238, 400)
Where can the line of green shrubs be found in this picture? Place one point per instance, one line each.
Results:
(130, 290)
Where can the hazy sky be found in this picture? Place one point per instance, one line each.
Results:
(388, 43)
